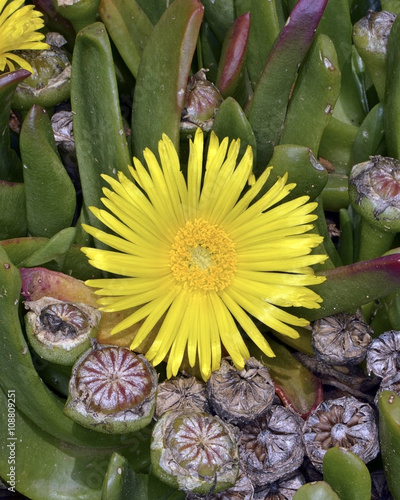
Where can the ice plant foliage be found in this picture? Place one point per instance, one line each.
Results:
(202, 258)
(19, 25)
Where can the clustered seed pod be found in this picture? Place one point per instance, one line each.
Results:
(271, 447)
(341, 339)
(344, 422)
(383, 360)
(240, 396)
(60, 331)
(181, 393)
(383, 357)
(194, 451)
(112, 390)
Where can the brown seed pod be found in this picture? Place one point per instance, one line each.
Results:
(344, 422)
(383, 356)
(181, 393)
(341, 339)
(271, 447)
(239, 396)
(112, 390)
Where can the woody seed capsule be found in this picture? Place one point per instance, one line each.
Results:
(344, 422)
(271, 447)
(239, 396)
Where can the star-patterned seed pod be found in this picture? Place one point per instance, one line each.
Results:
(239, 396)
(112, 390)
(383, 356)
(181, 393)
(271, 447)
(344, 422)
(194, 451)
(341, 339)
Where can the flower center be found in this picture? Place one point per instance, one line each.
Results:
(203, 257)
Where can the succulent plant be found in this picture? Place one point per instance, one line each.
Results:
(299, 105)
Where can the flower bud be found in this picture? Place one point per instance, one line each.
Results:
(112, 390)
(60, 331)
(194, 451)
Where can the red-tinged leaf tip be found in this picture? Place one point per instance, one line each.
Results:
(14, 77)
(234, 51)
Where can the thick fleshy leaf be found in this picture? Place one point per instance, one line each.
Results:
(162, 77)
(38, 282)
(50, 193)
(100, 141)
(349, 287)
(265, 26)
(10, 164)
(389, 436)
(129, 28)
(230, 68)
(268, 105)
(347, 474)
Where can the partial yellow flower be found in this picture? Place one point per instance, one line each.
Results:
(18, 31)
(203, 258)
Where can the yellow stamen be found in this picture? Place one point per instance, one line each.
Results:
(203, 256)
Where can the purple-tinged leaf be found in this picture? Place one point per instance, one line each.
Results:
(233, 56)
(348, 287)
(267, 109)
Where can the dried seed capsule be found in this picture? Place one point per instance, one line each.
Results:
(283, 489)
(201, 102)
(271, 447)
(243, 489)
(341, 339)
(344, 422)
(383, 356)
(60, 331)
(238, 396)
(112, 390)
(179, 393)
(194, 451)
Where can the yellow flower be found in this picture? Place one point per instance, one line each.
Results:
(201, 258)
(18, 31)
